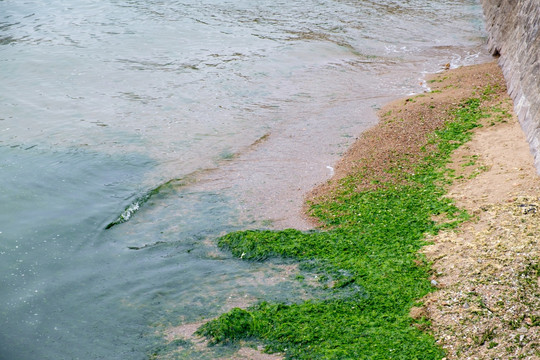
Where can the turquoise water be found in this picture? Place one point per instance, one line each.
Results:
(231, 105)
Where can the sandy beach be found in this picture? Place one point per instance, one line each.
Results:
(488, 305)
(488, 301)
(486, 272)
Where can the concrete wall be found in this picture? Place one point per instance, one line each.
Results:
(514, 34)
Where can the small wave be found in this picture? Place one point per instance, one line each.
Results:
(175, 184)
(132, 208)
(128, 212)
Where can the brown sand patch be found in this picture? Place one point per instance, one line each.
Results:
(499, 164)
(185, 331)
(403, 129)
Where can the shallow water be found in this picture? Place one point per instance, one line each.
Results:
(244, 105)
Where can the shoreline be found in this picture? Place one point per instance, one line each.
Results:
(496, 182)
(397, 141)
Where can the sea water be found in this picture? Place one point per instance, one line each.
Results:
(134, 133)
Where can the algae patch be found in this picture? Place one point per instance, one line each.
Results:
(371, 244)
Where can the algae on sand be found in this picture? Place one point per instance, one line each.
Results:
(371, 242)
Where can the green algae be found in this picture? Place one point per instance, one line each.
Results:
(371, 243)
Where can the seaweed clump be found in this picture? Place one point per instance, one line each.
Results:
(373, 224)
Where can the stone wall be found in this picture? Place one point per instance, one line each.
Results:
(514, 35)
